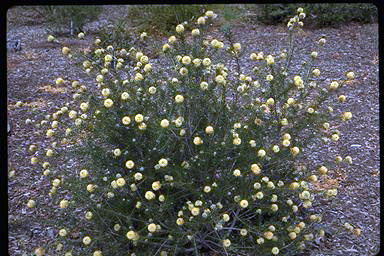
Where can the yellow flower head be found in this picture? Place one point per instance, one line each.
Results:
(206, 62)
(120, 182)
(201, 20)
(163, 162)
(156, 185)
(261, 153)
(149, 195)
(179, 98)
(139, 118)
(256, 169)
(209, 130)
(132, 235)
(83, 173)
(172, 39)
(350, 75)
(195, 32)
(164, 123)
(186, 60)
(126, 120)
(236, 172)
(64, 204)
(244, 203)
(129, 164)
(152, 227)
(108, 103)
(197, 141)
(180, 28)
(334, 85)
(227, 243)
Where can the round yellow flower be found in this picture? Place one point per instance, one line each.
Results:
(347, 116)
(201, 20)
(312, 178)
(180, 221)
(268, 235)
(255, 169)
(270, 60)
(209, 130)
(206, 62)
(96, 253)
(138, 77)
(294, 185)
(51, 38)
(120, 182)
(151, 227)
(195, 32)
(243, 203)
(314, 55)
(335, 137)
(139, 118)
(274, 207)
(195, 211)
(237, 46)
(334, 85)
(207, 189)
(156, 185)
(149, 195)
(269, 78)
(186, 60)
(59, 81)
(270, 101)
(144, 59)
(172, 39)
(204, 85)
(275, 251)
(220, 79)
(163, 162)
(322, 41)
(209, 14)
(126, 120)
(108, 103)
(180, 28)
(39, 251)
(31, 203)
(166, 47)
(236, 172)
(88, 215)
(164, 123)
(132, 235)
(49, 153)
(227, 243)
(261, 153)
(147, 68)
(295, 151)
(197, 141)
(63, 232)
(350, 75)
(83, 173)
(66, 50)
(64, 204)
(286, 143)
(138, 176)
(179, 98)
(129, 164)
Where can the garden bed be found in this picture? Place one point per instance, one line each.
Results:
(350, 47)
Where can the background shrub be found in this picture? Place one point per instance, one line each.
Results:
(319, 15)
(69, 19)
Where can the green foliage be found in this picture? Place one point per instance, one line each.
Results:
(59, 18)
(191, 153)
(162, 18)
(319, 15)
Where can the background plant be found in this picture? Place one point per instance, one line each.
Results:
(191, 156)
(68, 19)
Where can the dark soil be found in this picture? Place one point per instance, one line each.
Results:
(350, 47)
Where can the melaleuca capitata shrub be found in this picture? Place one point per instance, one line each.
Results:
(200, 151)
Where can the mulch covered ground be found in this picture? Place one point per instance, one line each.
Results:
(350, 47)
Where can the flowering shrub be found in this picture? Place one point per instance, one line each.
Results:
(194, 153)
